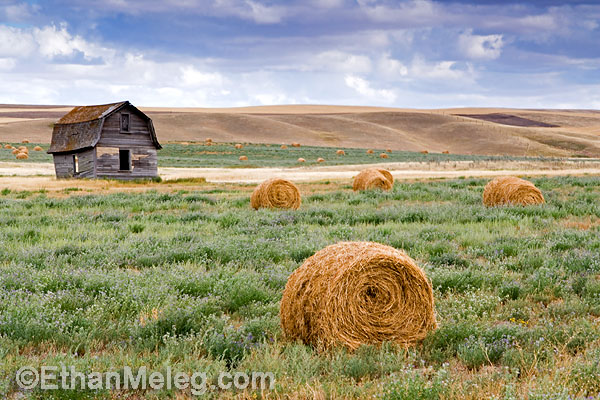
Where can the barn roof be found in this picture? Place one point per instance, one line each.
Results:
(81, 127)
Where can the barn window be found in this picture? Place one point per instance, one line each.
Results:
(124, 122)
(125, 160)
(75, 164)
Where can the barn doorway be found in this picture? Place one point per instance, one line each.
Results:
(124, 160)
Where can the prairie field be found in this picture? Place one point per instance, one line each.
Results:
(192, 278)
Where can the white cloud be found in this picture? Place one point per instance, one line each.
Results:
(390, 68)
(487, 47)
(364, 88)
(7, 63)
(193, 77)
(338, 61)
(16, 42)
(443, 70)
(413, 13)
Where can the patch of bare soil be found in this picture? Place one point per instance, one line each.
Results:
(508, 119)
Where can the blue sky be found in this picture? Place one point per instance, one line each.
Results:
(227, 53)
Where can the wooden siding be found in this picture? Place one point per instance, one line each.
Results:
(144, 162)
(63, 164)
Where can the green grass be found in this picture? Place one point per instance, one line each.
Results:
(194, 279)
(260, 155)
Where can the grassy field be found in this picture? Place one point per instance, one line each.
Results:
(260, 155)
(193, 279)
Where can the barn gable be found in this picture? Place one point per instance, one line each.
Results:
(81, 128)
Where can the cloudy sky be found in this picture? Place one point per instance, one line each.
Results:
(226, 53)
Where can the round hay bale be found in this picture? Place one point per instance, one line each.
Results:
(283, 147)
(388, 150)
(243, 158)
(445, 152)
(37, 148)
(15, 151)
(340, 153)
(276, 193)
(320, 160)
(373, 178)
(295, 144)
(25, 141)
(369, 151)
(510, 190)
(8, 146)
(208, 140)
(22, 156)
(301, 159)
(239, 146)
(424, 152)
(354, 293)
(383, 155)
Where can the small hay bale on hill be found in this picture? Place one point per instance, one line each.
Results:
(15, 151)
(373, 178)
(301, 160)
(25, 141)
(243, 158)
(8, 146)
(370, 151)
(424, 152)
(22, 156)
(276, 193)
(283, 147)
(320, 160)
(295, 144)
(208, 140)
(383, 155)
(445, 152)
(388, 150)
(510, 190)
(37, 148)
(239, 146)
(354, 293)
(340, 153)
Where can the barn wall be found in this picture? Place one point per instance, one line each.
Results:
(138, 140)
(63, 164)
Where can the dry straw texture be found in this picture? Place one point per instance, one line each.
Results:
(424, 152)
(276, 193)
(320, 160)
(243, 158)
(445, 152)
(511, 190)
(383, 155)
(239, 146)
(369, 151)
(208, 140)
(37, 148)
(295, 144)
(354, 293)
(15, 151)
(388, 150)
(283, 146)
(8, 146)
(340, 153)
(373, 178)
(22, 156)
(25, 141)
(301, 159)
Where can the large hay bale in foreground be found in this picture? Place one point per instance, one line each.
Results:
(373, 178)
(354, 293)
(383, 155)
(510, 190)
(15, 151)
(8, 146)
(22, 156)
(276, 193)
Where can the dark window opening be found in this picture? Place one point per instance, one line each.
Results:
(75, 164)
(125, 160)
(124, 122)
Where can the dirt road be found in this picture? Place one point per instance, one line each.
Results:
(32, 177)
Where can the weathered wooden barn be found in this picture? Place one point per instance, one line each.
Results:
(105, 141)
